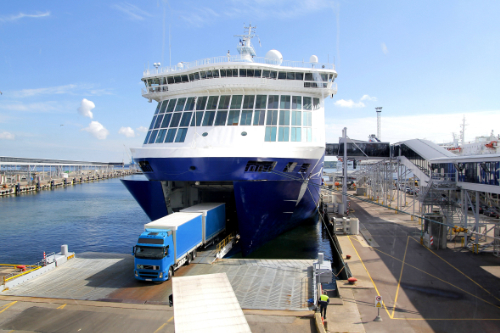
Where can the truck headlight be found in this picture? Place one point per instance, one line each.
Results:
(135, 272)
(140, 266)
(161, 275)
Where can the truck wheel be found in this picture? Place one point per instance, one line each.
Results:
(194, 254)
(170, 273)
(189, 257)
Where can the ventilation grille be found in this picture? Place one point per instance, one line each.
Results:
(290, 167)
(145, 167)
(256, 166)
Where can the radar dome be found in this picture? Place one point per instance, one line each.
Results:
(180, 65)
(274, 57)
(313, 59)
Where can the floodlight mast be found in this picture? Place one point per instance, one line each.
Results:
(379, 115)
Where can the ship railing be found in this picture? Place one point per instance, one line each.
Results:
(237, 82)
(18, 271)
(182, 66)
(224, 242)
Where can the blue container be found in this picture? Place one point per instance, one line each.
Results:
(214, 218)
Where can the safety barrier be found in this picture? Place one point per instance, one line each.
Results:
(13, 275)
(224, 242)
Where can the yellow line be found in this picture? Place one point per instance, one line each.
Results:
(368, 274)
(457, 270)
(400, 276)
(8, 306)
(447, 319)
(61, 307)
(168, 321)
(159, 328)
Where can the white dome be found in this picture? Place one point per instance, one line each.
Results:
(180, 65)
(274, 57)
(313, 59)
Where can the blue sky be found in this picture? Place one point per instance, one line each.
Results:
(426, 63)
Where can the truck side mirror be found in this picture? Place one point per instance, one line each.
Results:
(165, 251)
(133, 250)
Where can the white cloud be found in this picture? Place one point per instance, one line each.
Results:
(19, 16)
(70, 89)
(86, 107)
(97, 130)
(133, 12)
(384, 48)
(127, 131)
(368, 98)
(349, 104)
(7, 136)
(32, 107)
(141, 129)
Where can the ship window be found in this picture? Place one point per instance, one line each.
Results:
(260, 102)
(235, 72)
(181, 135)
(308, 134)
(236, 102)
(309, 77)
(153, 136)
(246, 117)
(307, 119)
(185, 78)
(189, 104)
(208, 120)
(177, 79)
(270, 134)
(196, 76)
(224, 102)
(273, 75)
(290, 76)
(158, 108)
(317, 105)
(284, 134)
(212, 102)
(250, 72)
(147, 137)
(299, 76)
(163, 106)
(203, 75)
(324, 77)
(307, 103)
(233, 118)
(223, 73)
(171, 135)
(330, 78)
(243, 72)
(266, 74)
(296, 131)
(248, 101)
(284, 117)
(209, 74)
(186, 117)
(175, 119)
(296, 102)
(156, 80)
(166, 120)
(191, 77)
(198, 116)
(273, 102)
(272, 117)
(296, 118)
(170, 80)
(158, 121)
(201, 102)
(285, 102)
(171, 105)
(282, 76)
(152, 123)
(161, 136)
(215, 73)
(149, 82)
(257, 73)
(220, 119)
(180, 104)
(258, 119)
(290, 166)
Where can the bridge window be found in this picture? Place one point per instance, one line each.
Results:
(248, 102)
(236, 101)
(147, 137)
(246, 117)
(317, 104)
(166, 120)
(258, 119)
(308, 134)
(175, 119)
(164, 106)
(208, 120)
(158, 108)
(180, 104)
(170, 80)
(171, 135)
(282, 76)
(171, 105)
(212, 102)
(220, 119)
(224, 102)
(284, 117)
(296, 131)
(181, 135)
(272, 117)
(234, 117)
(260, 102)
(158, 121)
(270, 134)
(308, 77)
(196, 121)
(307, 119)
(153, 136)
(189, 104)
(152, 123)
(161, 136)
(285, 102)
(284, 134)
(203, 75)
(201, 102)
(307, 103)
(273, 102)
(186, 117)
(296, 102)
(296, 118)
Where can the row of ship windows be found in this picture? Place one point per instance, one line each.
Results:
(232, 118)
(273, 133)
(285, 102)
(216, 73)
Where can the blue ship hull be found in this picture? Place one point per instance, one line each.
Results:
(267, 203)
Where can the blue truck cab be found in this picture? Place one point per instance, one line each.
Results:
(172, 241)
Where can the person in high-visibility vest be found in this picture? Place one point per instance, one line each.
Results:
(323, 304)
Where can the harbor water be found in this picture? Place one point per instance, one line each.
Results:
(104, 217)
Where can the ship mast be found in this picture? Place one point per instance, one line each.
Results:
(245, 47)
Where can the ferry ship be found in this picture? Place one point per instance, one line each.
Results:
(240, 129)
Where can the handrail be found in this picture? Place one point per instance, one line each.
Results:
(225, 241)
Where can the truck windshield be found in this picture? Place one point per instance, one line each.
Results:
(149, 252)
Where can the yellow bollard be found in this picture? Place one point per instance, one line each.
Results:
(463, 241)
(412, 217)
(421, 241)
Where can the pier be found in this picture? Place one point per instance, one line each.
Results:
(24, 175)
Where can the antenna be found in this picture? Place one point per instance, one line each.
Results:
(379, 112)
(462, 131)
(245, 47)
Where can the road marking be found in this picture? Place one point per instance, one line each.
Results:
(362, 263)
(400, 276)
(458, 270)
(168, 321)
(159, 328)
(62, 306)
(6, 306)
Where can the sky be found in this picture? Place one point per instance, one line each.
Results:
(70, 70)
